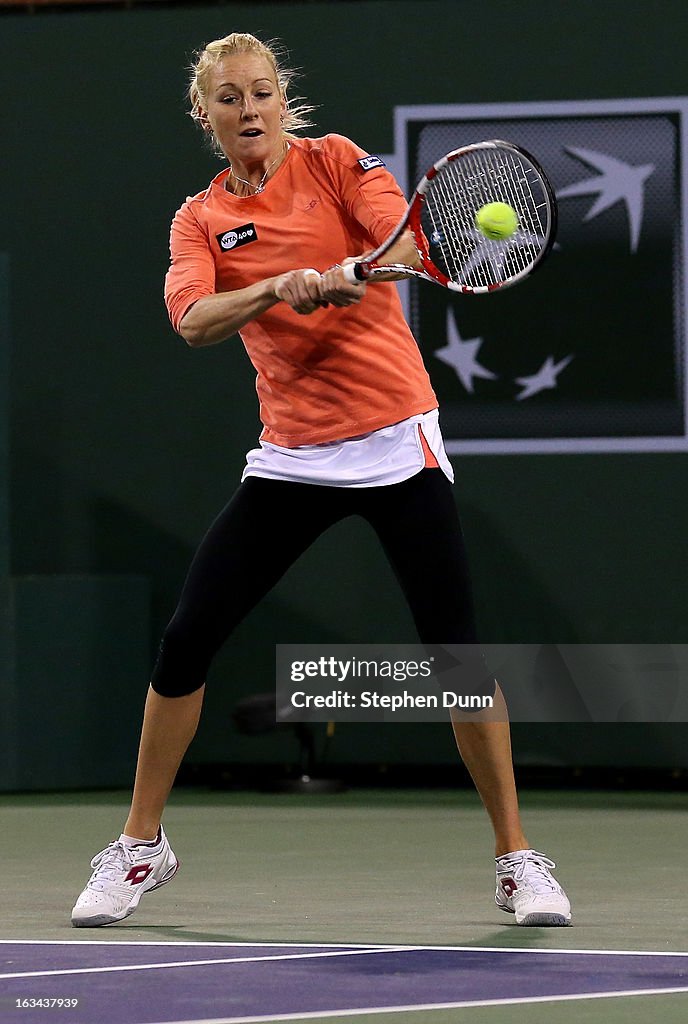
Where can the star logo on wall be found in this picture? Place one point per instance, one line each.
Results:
(616, 182)
(545, 378)
(462, 356)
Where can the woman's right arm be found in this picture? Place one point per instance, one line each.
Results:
(203, 316)
(216, 317)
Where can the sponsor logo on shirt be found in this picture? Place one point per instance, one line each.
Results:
(235, 237)
(368, 162)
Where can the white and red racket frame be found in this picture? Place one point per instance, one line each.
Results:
(370, 267)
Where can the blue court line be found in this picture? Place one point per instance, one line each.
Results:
(311, 980)
(336, 945)
(49, 973)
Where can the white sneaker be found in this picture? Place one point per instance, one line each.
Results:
(526, 888)
(121, 876)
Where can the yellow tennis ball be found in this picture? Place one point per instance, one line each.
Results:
(496, 221)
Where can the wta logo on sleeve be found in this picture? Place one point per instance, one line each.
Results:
(235, 237)
(368, 162)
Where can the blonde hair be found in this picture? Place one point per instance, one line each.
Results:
(295, 117)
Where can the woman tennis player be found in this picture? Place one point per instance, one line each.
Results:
(350, 427)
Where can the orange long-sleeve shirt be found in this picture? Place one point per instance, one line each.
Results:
(338, 372)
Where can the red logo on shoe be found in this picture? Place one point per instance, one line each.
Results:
(509, 887)
(139, 874)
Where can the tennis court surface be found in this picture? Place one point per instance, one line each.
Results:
(364, 905)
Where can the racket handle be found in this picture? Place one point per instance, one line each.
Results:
(353, 273)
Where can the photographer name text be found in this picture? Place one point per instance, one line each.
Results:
(389, 701)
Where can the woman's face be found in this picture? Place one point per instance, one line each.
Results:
(244, 108)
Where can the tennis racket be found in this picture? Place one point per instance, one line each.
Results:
(450, 248)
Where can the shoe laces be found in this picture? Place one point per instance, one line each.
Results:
(533, 867)
(109, 864)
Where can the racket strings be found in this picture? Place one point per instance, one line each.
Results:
(460, 188)
(526, 185)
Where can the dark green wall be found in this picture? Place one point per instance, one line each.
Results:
(8, 710)
(125, 443)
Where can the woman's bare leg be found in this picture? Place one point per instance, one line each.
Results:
(169, 725)
(485, 747)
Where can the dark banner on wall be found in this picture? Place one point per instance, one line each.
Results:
(590, 354)
(556, 683)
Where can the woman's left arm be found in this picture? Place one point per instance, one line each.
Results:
(370, 196)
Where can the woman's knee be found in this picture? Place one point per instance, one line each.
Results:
(186, 651)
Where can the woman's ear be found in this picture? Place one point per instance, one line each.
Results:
(203, 121)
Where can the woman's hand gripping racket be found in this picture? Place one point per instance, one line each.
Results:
(482, 218)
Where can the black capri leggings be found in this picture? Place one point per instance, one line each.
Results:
(268, 524)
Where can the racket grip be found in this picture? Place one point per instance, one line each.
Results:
(353, 273)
